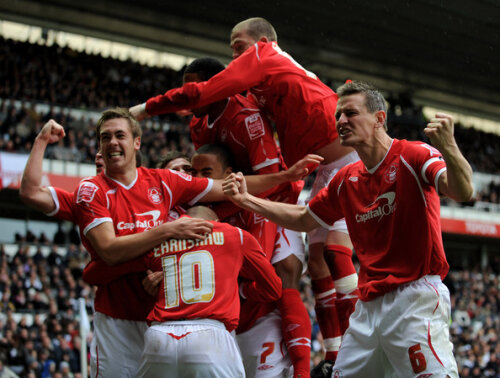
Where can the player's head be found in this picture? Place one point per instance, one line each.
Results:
(361, 110)
(212, 160)
(202, 69)
(250, 31)
(202, 212)
(115, 113)
(99, 163)
(119, 137)
(176, 161)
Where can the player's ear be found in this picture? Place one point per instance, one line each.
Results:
(381, 117)
(137, 143)
(263, 39)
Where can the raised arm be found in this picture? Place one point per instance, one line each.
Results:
(32, 192)
(456, 182)
(260, 183)
(240, 75)
(293, 217)
(114, 249)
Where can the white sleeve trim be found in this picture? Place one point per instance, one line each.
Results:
(202, 194)
(241, 235)
(56, 202)
(425, 166)
(265, 163)
(96, 222)
(143, 108)
(436, 179)
(318, 219)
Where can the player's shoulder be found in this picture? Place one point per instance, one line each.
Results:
(416, 148)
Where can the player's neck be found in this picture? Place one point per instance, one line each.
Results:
(123, 176)
(216, 109)
(373, 152)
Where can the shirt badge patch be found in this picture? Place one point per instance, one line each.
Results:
(86, 192)
(390, 174)
(155, 195)
(183, 175)
(255, 126)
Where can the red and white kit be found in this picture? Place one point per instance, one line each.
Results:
(198, 301)
(392, 213)
(294, 98)
(245, 132)
(123, 304)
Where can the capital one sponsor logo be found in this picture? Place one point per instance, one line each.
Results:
(150, 221)
(386, 206)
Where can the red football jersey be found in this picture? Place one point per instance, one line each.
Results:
(392, 213)
(142, 205)
(302, 107)
(64, 204)
(245, 132)
(200, 278)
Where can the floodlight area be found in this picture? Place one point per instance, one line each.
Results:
(91, 45)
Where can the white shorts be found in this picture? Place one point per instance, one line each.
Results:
(324, 175)
(190, 348)
(263, 349)
(116, 347)
(288, 243)
(404, 333)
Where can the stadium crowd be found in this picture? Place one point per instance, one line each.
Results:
(39, 328)
(33, 73)
(48, 287)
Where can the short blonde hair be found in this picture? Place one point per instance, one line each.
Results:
(117, 112)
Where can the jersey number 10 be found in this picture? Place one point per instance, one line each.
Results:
(190, 278)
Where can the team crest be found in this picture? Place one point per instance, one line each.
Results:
(391, 173)
(337, 374)
(255, 126)
(155, 195)
(86, 192)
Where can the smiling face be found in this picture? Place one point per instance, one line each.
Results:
(355, 123)
(118, 146)
(99, 163)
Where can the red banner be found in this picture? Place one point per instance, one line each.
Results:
(470, 227)
(11, 172)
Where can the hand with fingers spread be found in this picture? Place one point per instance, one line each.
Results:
(189, 228)
(440, 130)
(152, 281)
(303, 167)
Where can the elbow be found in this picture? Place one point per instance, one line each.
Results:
(466, 194)
(26, 195)
(108, 257)
(277, 293)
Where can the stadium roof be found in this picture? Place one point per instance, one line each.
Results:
(441, 53)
